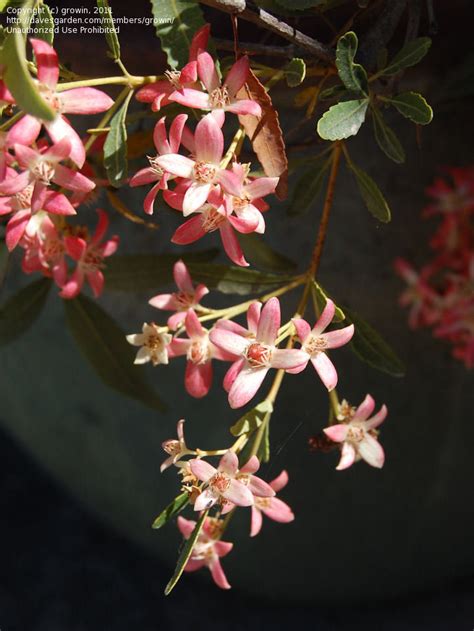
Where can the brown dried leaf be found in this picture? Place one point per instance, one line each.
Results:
(265, 134)
(120, 207)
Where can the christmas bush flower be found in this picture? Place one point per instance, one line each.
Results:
(358, 436)
(272, 507)
(153, 344)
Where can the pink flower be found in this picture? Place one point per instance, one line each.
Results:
(227, 485)
(24, 220)
(315, 343)
(45, 251)
(203, 172)
(188, 296)
(75, 101)
(153, 342)
(5, 157)
(89, 254)
(272, 507)
(158, 93)
(200, 352)
(220, 98)
(175, 448)
(423, 301)
(212, 216)
(154, 173)
(207, 549)
(41, 168)
(358, 435)
(256, 355)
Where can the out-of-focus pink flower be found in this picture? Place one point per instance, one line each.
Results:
(175, 448)
(219, 98)
(456, 197)
(207, 549)
(153, 342)
(154, 173)
(200, 352)
(89, 254)
(227, 485)
(424, 302)
(256, 355)
(204, 172)
(272, 507)
(358, 435)
(315, 343)
(5, 157)
(188, 296)
(74, 101)
(41, 168)
(45, 251)
(158, 93)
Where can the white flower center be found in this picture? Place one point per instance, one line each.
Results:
(212, 219)
(219, 97)
(199, 352)
(203, 172)
(43, 171)
(219, 482)
(315, 344)
(153, 160)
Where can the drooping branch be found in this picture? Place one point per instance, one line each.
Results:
(266, 20)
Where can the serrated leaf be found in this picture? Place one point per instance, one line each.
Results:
(109, 26)
(307, 187)
(322, 297)
(173, 508)
(44, 24)
(386, 138)
(264, 132)
(252, 419)
(186, 553)
(413, 106)
(176, 21)
(409, 55)
(236, 280)
(115, 146)
(295, 72)
(21, 310)
(147, 272)
(369, 346)
(352, 75)
(262, 256)
(16, 74)
(372, 195)
(103, 344)
(342, 120)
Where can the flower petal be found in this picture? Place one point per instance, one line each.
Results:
(218, 574)
(325, 369)
(365, 409)
(348, 455)
(207, 71)
(325, 319)
(231, 245)
(303, 329)
(376, 420)
(209, 140)
(205, 500)
(339, 337)
(288, 358)
(25, 131)
(280, 481)
(238, 494)
(255, 521)
(46, 61)
(229, 341)
(85, 101)
(260, 488)
(60, 128)
(202, 469)
(189, 231)
(198, 379)
(237, 75)
(229, 463)
(245, 386)
(372, 451)
(279, 511)
(269, 322)
(337, 433)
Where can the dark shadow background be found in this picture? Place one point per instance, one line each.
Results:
(62, 570)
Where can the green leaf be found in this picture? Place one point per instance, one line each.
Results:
(44, 24)
(252, 419)
(308, 187)
(186, 553)
(262, 256)
(147, 272)
(335, 91)
(342, 120)
(173, 508)
(352, 75)
(295, 72)
(103, 344)
(413, 106)
(109, 26)
(236, 280)
(263, 453)
(369, 346)
(372, 195)
(16, 74)
(21, 310)
(176, 23)
(322, 297)
(386, 138)
(115, 146)
(410, 54)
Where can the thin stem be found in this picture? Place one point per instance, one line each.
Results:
(107, 116)
(129, 80)
(234, 145)
(11, 121)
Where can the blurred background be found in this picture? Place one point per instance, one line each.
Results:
(80, 482)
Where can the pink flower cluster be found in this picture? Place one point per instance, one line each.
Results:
(253, 350)
(226, 487)
(38, 190)
(218, 196)
(441, 295)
